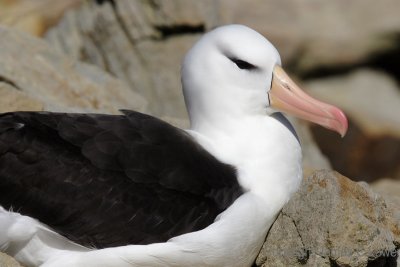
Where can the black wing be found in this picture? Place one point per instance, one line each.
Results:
(110, 180)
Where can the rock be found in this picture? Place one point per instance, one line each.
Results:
(11, 99)
(132, 39)
(142, 43)
(7, 261)
(333, 221)
(302, 31)
(175, 15)
(34, 76)
(389, 189)
(314, 34)
(165, 90)
(358, 155)
(180, 123)
(371, 99)
(33, 17)
(313, 159)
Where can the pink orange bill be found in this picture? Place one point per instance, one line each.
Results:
(287, 97)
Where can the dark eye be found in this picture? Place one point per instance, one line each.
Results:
(244, 65)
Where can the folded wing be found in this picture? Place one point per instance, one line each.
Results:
(110, 180)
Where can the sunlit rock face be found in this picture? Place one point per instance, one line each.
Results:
(333, 221)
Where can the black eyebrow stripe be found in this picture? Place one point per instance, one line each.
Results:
(243, 64)
(272, 79)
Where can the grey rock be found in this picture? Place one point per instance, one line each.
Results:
(34, 76)
(33, 17)
(308, 34)
(139, 42)
(303, 31)
(318, 33)
(13, 99)
(333, 220)
(371, 100)
(390, 190)
(313, 159)
(163, 74)
(7, 261)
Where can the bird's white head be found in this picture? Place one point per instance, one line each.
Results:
(233, 71)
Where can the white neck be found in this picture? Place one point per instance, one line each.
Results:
(264, 149)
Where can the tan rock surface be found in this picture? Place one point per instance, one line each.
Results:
(33, 17)
(7, 261)
(12, 100)
(388, 188)
(131, 45)
(318, 33)
(333, 221)
(33, 70)
(308, 34)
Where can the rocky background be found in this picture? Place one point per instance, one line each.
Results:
(99, 56)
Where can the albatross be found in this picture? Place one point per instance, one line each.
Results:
(98, 190)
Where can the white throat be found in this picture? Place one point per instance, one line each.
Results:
(264, 149)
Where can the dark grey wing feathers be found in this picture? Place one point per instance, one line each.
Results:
(110, 180)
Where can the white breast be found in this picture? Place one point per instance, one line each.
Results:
(264, 149)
